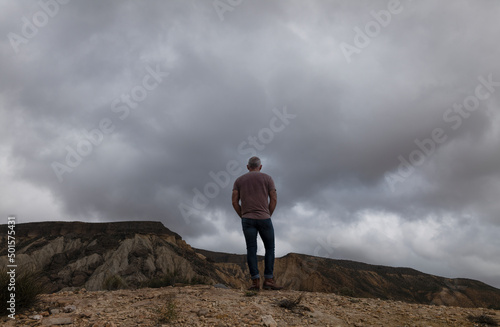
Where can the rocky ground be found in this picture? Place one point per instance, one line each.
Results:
(205, 305)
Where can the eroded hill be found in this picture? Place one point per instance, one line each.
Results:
(74, 255)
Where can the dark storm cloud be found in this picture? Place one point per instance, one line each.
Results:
(214, 83)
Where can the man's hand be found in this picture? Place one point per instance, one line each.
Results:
(236, 202)
(273, 199)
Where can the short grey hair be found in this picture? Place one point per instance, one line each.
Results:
(254, 162)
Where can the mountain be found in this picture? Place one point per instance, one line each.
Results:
(72, 255)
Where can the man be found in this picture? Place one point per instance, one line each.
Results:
(258, 197)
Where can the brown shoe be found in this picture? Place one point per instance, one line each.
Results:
(270, 284)
(255, 285)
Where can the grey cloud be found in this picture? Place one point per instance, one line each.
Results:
(353, 121)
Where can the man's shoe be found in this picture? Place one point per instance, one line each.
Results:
(270, 284)
(255, 285)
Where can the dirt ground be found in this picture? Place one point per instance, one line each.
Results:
(205, 305)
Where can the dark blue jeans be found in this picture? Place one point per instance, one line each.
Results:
(264, 227)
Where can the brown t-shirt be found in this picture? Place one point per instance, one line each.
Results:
(254, 188)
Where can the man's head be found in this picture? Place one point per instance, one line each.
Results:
(254, 164)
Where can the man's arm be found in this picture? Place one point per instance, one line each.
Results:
(236, 202)
(273, 199)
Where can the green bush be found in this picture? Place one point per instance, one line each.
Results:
(197, 281)
(168, 311)
(346, 291)
(28, 288)
(114, 282)
(164, 281)
(494, 306)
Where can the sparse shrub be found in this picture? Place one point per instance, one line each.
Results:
(167, 312)
(159, 282)
(28, 287)
(346, 291)
(290, 304)
(294, 305)
(197, 281)
(250, 293)
(484, 320)
(115, 282)
(494, 306)
(169, 279)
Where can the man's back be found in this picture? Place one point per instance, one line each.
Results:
(254, 188)
(257, 194)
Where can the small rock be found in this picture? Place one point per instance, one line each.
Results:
(202, 312)
(54, 311)
(36, 317)
(269, 321)
(85, 314)
(221, 286)
(69, 308)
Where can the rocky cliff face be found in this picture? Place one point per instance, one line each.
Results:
(75, 254)
(388, 283)
(314, 274)
(87, 255)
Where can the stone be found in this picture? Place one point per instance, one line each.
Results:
(69, 308)
(54, 311)
(268, 321)
(221, 286)
(202, 312)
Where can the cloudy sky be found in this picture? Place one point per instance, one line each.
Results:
(378, 120)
